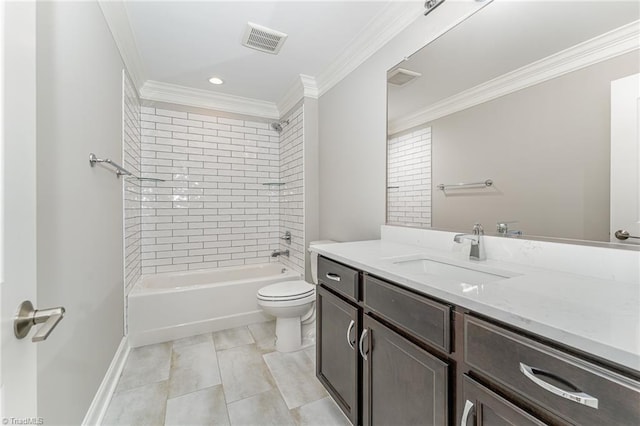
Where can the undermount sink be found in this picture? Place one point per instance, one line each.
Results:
(446, 270)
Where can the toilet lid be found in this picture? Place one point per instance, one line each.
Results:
(286, 290)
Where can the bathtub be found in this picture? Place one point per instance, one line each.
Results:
(170, 306)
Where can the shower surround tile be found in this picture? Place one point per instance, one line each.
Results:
(214, 209)
(214, 168)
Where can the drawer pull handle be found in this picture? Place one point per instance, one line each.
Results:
(362, 336)
(465, 414)
(332, 276)
(351, 344)
(579, 397)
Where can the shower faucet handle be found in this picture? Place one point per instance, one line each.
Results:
(287, 237)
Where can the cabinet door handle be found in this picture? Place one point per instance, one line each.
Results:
(363, 354)
(332, 276)
(579, 397)
(349, 329)
(468, 405)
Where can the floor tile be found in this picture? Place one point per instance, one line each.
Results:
(294, 374)
(243, 372)
(311, 353)
(143, 405)
(193, 340)
(193, 367)
(263, 409)
(323, 412)
(264, 333)
(232, 338)
(145, 365)
(204, 407)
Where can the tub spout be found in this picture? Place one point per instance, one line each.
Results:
(277, 253)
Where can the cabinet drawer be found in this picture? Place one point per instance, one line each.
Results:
(338, 277)
(425, 318)
(573, 389)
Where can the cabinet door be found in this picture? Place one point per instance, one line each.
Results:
(490, 409)
(337, 356)
(403, 384)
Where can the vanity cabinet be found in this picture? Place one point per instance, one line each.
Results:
(402, 383)
(370, 362)
(337, 363)
(482, 407)
(390, 355)
(567, 387)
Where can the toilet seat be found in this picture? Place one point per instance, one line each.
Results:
(286, 291)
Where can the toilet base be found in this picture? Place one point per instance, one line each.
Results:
(288, 334)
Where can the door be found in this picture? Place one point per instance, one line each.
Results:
(18, 205)
(490, 409)
(337, 356)
(625, 160)
(402, 383)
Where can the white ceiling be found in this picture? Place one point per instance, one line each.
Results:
(185, 43)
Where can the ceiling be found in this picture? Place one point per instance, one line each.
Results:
(186, 43)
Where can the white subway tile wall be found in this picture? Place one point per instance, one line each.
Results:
(214, 209)
(409, 179)
(131, 187)
(292, 192)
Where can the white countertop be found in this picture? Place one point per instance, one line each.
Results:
(597, 316)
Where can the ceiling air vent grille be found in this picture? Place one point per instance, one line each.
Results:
(401, 76)
(263, 39)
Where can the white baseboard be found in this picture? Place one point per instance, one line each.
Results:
(101, 400)
(165, 334)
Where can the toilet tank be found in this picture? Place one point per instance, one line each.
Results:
(313, 258)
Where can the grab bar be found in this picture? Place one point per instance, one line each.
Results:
(484, 184)
(120, 171)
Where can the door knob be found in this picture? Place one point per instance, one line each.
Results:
(621, 234)
(27, 317)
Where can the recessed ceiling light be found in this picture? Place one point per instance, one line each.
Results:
(215, 80)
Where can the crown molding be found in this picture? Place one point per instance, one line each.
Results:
(305, 86)
(118, 22)
(601, 48)
(173, 93)
(388, 23)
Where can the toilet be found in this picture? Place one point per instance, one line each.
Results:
(293, 305)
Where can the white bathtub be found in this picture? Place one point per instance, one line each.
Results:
(170, 306)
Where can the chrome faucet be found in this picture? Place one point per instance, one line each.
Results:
(503, 229)
(477, 244)
(277, 253)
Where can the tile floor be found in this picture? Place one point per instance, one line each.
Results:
(231, 377)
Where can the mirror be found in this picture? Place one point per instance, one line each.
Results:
(514, 101)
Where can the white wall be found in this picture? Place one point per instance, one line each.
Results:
(353, 133)
(79, 211)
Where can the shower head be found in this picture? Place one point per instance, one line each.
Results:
(278, 126)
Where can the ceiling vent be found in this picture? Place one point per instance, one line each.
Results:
(263, 39)
(401, 76)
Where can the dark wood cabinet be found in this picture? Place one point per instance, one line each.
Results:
(337, 363)
(390, 355)
(483, 407)
(402, 383)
